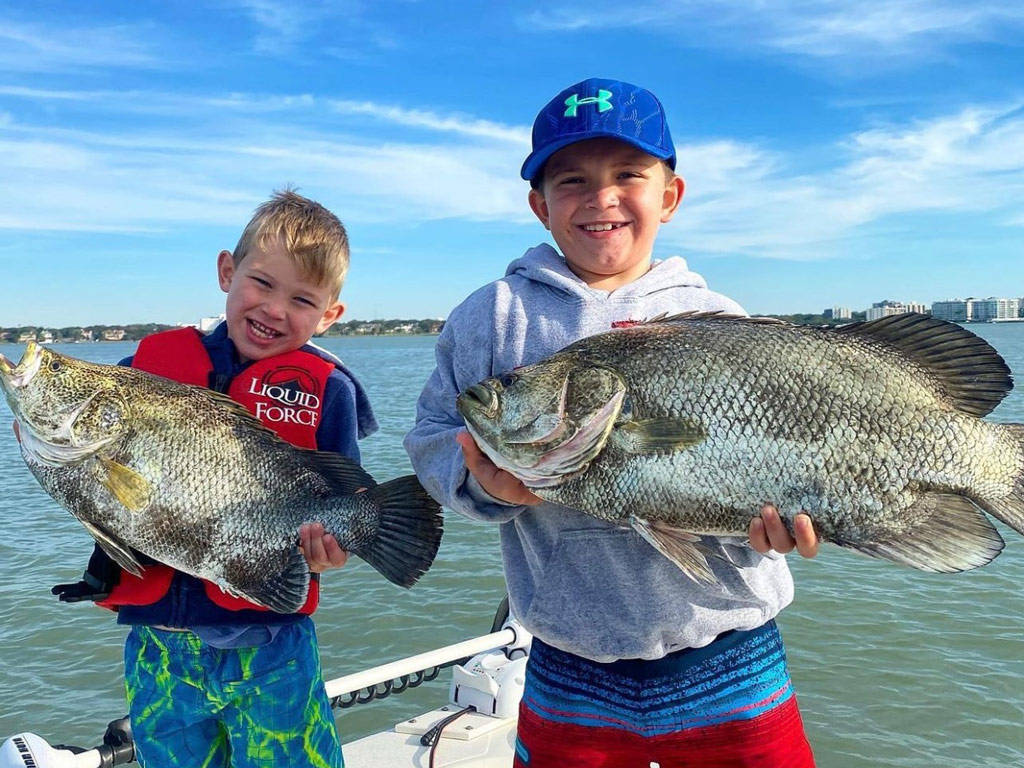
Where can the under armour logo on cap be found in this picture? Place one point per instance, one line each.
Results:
(603, 101)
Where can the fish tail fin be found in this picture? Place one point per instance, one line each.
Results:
(1010, 508)
(404, 545)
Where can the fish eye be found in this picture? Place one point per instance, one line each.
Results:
(507, 379)
(55, 366)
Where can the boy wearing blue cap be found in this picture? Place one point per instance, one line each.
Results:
(632, 662)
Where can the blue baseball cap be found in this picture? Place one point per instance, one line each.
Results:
(598, 107)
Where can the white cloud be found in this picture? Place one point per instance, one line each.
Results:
(970, 162)
(818, 28)
(284, 27)
(205, 166)
(210, 173)
(156, 103)
(31, 48)
(281, 24)
(425, 119)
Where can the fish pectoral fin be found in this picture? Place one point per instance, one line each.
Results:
(950, 534)
(659, 435)
(117, 551)
(127, 486)
(681, 547)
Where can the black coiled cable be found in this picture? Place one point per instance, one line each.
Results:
(399, 685)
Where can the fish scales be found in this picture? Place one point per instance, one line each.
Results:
(757, 418)
(191, 479)
(873, 430)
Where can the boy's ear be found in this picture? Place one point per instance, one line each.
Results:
(539, 206)
(331, 315)
(673, 197)
(225, 269)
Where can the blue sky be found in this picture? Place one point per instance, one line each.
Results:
(834, 152)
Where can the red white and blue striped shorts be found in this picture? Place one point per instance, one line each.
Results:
(727, 705)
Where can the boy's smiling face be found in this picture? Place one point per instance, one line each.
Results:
(603, 201)
(272, 308)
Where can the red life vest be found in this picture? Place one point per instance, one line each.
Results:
(285, 392)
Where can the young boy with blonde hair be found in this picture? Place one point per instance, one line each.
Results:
(632, 662)
(212, 679)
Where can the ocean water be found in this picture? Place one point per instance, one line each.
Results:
(892, 667)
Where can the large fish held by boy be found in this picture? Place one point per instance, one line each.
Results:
(685, 426)
(188, 477)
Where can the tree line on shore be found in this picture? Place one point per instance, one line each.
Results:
(136, 331)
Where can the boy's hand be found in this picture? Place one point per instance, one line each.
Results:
(497, 482)
(321, 549)
(768, 532)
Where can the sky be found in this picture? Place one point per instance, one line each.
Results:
(835, 153)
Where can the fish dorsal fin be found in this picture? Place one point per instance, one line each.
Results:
(235, 408)
(342, 474)
(717, 314)
(966, 367)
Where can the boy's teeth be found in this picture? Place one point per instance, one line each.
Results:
(600, 227)
(262, 330)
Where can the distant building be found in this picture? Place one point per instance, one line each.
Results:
(26, 337)
(886, 308)
(207, 324)
(113, 334)
(837, 313)
(992, 308)
(86, 334)
(954, 310)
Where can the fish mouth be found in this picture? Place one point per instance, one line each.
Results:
(15, 376)
(478, 398)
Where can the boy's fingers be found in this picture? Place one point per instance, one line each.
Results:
(476, 461)
(495, 481)
(757, 536)
(336, 556)
(775, 530)
(470, 450)
(806, 538)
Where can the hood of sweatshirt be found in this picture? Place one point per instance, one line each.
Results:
(543, 264)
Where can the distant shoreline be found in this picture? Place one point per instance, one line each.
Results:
(137, 331)
(353, 328)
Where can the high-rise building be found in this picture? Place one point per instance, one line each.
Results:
(954, 310)
(992, 308)
(837, 313)
(888, 307)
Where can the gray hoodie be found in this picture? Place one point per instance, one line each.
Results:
(577, 583)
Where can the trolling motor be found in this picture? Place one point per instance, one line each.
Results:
(26, 750)
(492, 682)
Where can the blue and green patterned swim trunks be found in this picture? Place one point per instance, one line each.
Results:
(196, 706)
